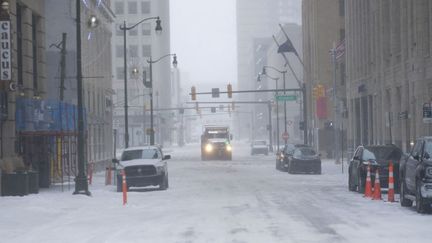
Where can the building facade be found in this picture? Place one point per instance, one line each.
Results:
(257, 20)
(323, 29)
(142, 44)
(389, 70)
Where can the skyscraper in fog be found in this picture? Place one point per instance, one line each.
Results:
(142, 43)
(257, 20)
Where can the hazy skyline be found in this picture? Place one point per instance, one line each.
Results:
(203, 35)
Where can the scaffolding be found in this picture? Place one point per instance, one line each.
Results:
(48, 139)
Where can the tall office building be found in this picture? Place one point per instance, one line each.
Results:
(142, 44)
(257, 21)
(389, 77)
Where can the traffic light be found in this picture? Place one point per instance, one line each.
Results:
(301, 125)
(215, 92)
(213, 109)
(315, 91)
(229, 91)
(193, 93)
(318, 91)
(233, 106)
(321, 90)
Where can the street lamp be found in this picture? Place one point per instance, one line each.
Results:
(124, 28)
(151, 62)
(277, 106)
(284, 87)
(81, 183)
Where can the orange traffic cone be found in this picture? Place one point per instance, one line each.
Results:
(377, 187)
(368, 187)
(391, 192)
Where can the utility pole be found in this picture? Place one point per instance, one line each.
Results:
(270, 127)
(335, 107)
(63, 66)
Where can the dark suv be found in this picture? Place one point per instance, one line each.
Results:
(377, 157)
(416, 176)
(282, 156)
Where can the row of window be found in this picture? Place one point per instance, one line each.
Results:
(132, 7)
(133, 51)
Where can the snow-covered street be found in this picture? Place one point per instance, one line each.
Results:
(244, 200)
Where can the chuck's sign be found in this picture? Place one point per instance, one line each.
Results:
(5, 51)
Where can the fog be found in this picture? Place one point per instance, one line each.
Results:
(204, 38)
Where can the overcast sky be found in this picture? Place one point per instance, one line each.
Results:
(203, 35)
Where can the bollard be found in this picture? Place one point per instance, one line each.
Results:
(124, 187)
(90, 172)
(108, 176)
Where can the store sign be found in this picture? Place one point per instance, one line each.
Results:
(5, 51)
(427, 112)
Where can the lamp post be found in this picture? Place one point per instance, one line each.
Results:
(124, 28)
(81, 184)
(151, 62)
(277, 106)
(284, 87)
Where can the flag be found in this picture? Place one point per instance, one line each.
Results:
(340, 50)
(287, 46)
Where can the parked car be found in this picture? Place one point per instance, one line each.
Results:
(283, 155)
(143, 166)
(304, 161)
(378, 157)
(259, 147)
(416, 176)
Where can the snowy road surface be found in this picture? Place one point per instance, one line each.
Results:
(244, 200)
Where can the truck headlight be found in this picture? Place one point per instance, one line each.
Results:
(208, 148)
(228, 148)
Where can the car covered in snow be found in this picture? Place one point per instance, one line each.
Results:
(282, 157)
(143, 166)
(259, 147)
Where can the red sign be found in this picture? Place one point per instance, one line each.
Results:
(285, 135)
(321, 108)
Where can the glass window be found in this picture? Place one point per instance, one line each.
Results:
(119, 8)
(151, 154)
(289, 149)
(120, 73)
(428, 150)
(306, 151)
(146, 50)
(133, 32)
(133, 51)
(118, 31)
(132, 154)
(358, 153)
(145, 7)
(146, 29)
(132, 7)
(119, 51)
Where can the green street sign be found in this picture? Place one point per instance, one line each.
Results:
(286, 97)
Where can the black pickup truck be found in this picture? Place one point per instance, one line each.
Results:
(415, 173)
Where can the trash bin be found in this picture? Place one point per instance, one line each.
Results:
(14, 184)
(33, 181)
